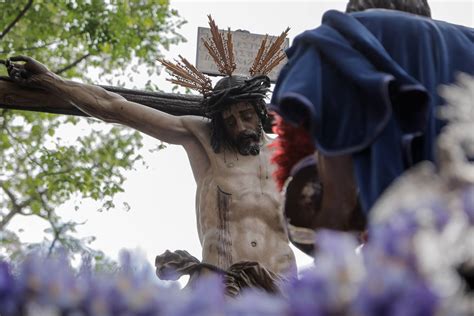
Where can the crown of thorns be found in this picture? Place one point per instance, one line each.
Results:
(221, 50)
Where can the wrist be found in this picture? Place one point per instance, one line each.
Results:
(50, 81)
(51, 77)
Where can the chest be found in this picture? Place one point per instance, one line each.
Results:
(233, 172)
(241, 187)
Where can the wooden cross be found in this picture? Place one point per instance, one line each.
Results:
(13, 96)
(16, 97)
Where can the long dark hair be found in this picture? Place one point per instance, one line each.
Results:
(219, 137)
(419, 7)
(227, 92)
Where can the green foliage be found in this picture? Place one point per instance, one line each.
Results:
(108, 33)
(41, 165)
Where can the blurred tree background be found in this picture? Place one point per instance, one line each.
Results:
(41, 167)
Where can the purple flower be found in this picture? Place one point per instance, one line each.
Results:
(394, 238)
(329, 286)
(6, 280)
(439, 214)
(336, 246)
(312, 295)
(393, 290)
(206, 298)
(8, 297)
(468, 203)
(257, 303)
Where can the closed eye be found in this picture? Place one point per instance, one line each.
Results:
(230, 121)
(247, 115)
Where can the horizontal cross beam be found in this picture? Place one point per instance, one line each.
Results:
(16, 97)
(13, 96)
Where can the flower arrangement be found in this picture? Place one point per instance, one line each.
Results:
(419, 259)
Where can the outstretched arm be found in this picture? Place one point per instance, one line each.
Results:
(98, 102)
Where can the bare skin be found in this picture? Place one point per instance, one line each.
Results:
(237, 202)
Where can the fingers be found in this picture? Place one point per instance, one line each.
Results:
(10, 65)
(16, 71)
(19, 73)
(21, 58)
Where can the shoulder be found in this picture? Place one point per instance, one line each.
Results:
(199, 127)
(196, 124)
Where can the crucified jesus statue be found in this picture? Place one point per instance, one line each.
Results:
(240, 224)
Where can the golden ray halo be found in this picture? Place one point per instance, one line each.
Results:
(221, 50)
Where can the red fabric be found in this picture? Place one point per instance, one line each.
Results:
(293, 144)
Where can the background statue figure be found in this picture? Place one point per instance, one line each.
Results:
(362, 104)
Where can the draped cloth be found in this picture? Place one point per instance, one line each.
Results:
(366, 84)
(239, 276)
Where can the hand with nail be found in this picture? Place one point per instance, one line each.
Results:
(25, 70)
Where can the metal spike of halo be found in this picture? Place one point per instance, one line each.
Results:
(221, 49)
(269, 56)
(186, 75)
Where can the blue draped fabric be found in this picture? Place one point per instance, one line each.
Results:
(366, 84)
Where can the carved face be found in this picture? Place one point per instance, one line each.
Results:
(322, 193)
(243, 128)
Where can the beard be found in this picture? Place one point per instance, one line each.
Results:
(248, 142)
